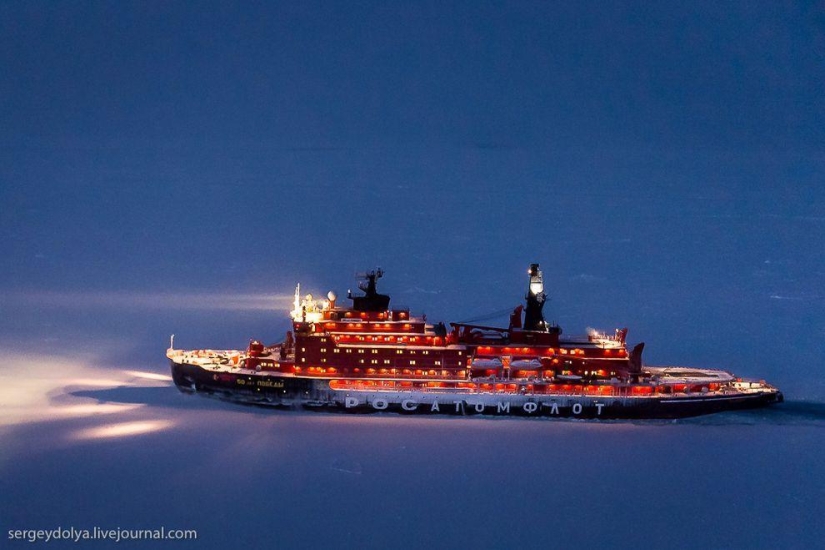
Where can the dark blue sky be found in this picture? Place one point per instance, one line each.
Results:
(349, 74)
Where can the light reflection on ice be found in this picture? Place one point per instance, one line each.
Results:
(95, 408)
(35, 389)
(123, 429)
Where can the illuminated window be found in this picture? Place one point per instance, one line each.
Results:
(425, 352)
(303, 359)
(399, 351)
(360, 351)
(303, 349)
(361, 361)
(438, 362)
(412, 361)
(386, 361)
(336, 350)
(323, 350)
(374, 361)
(375, 351)
(349, 351)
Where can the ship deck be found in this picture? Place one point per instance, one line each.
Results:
(672, 377)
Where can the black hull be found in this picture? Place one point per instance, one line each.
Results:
(315, 394)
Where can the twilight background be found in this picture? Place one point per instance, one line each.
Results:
(176, 167)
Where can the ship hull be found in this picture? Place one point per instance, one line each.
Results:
(315, 394)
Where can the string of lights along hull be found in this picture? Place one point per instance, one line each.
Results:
(368, 357)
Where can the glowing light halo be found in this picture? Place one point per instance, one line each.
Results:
(149, 375)
(128, 300)
(38, 389)
(123, 429)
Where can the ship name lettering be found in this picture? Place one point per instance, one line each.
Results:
(240, 381)
(410, 405)
(270, 384)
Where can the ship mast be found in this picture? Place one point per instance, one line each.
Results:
(533, 317)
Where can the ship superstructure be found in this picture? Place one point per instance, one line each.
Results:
(370, 356)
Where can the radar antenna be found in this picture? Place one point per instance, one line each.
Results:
(371, 300)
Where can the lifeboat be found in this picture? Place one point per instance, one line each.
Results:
(526, 364)
(493, 363)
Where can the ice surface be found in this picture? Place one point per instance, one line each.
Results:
(107, 440)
